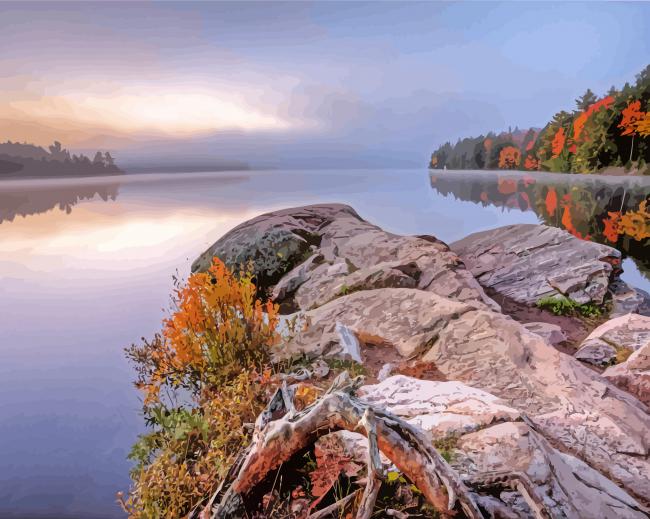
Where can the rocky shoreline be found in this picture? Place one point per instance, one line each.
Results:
(429, 324)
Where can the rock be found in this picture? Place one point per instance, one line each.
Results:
(442, 409)
(567, 486)
(633, 375)
(347, 254)
(528, 262)
(597, 353)
(491, 439)
(626, 299)
(552, 333)
(406, 319)
(619, 336)
(569, 403)
(275, 242)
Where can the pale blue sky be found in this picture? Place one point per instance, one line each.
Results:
(323, 84)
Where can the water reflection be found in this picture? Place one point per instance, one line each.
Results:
(29, 198)
(609, 211)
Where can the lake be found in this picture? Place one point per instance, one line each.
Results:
(86, 269)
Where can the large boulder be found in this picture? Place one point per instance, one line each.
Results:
(615, 339)
(273, 242)
(570, 404)
(526, 263)
(567, 487)
(314, 254)
(487, 442)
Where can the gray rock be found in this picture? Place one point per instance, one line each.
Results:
(528, 262)
(491, 439)
(274, 242)
(624, 334)
(596, 352)
(552, 333)
(633, 375)
(626, 300)
(570, 404)
(350, 255)
(568, 487)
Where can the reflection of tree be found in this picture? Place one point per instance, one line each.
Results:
(28, 200)
(594, 210)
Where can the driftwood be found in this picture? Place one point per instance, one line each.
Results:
(281, 431)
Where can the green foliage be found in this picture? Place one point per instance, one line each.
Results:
(344, 290)
(213, 356)
(561, 305)
(339, 365)
(446, 447)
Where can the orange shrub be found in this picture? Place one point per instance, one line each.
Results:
(217, 329)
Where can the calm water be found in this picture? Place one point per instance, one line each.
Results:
(86, 267)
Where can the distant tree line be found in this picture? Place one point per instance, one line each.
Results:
(28, 160)
(613, 130)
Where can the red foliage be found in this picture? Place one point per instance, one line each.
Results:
(531, 163)
(632, 114)
(558, 142)
(579, 123)
(551, 202)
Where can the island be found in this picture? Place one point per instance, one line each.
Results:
(23, 160)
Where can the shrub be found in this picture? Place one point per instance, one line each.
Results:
(217, 328)
(203, 378)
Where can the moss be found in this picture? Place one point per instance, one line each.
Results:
(353, 368)
(446, 447)
(622, 354)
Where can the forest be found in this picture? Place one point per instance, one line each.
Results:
(607, 134)
(22, 160)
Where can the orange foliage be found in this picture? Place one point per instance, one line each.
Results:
(551, 202)
(632, 115)
(558, 142)
(509, 157)
(612, 231)
(568, 223)
(643, 126)
(507, 186)
(636, 224)
(218, 329)
(579, 123)
(531, 163)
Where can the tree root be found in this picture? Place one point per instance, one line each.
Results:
(281, 431)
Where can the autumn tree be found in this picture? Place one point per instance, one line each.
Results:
(509, 157)
(630, 118)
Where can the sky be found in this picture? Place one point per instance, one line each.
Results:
(301, 85)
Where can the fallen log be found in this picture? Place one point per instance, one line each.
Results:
(281, 431)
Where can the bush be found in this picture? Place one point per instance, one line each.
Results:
(203, 378)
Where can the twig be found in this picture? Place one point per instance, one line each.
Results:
(339, 505)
